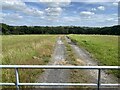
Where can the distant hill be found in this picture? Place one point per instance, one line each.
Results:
(16, 30)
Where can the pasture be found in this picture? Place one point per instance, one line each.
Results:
(26, 49)
(38, 49)
(103, 48)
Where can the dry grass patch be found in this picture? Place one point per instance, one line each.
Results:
(26, 50)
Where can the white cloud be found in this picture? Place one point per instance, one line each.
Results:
(110, 19)
(14, 16)
(71, 0)
(87, 13)
(115, 14)
(14, 4)
(107, 18)
(93, 9)
(20, 6)
(119, 19)
(53, 11)
(56, 3)
(71, 19)
(115, 4)
(54, 7)
(2, 14)
(101, 8)
(33, 11)
(117, 0)
(94, 1)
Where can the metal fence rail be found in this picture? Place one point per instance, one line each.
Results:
(17, 83)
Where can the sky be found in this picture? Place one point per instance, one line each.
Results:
(91, 13)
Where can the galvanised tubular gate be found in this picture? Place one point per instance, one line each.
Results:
(17, 84)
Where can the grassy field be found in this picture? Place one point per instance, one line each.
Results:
(103, 48)
(26, 49)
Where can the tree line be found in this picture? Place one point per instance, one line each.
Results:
(18, 30)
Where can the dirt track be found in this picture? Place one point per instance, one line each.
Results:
(56, 75)
(62, 75)
(84, 57)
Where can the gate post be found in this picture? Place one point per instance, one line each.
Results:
(17, 78)
(99, 79)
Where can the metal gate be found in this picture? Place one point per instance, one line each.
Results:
(97, 84)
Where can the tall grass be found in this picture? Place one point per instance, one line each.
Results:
(104, 48)
(26, 49)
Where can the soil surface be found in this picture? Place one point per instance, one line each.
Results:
(56, 75)
(63, 75)
(84, 57)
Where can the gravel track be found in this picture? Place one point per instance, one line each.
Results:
(62, 75)
(86, 60)
(56, 75)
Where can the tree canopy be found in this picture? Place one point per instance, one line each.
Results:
(18, 30)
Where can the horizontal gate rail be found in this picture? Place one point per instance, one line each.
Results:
(57, 67)
(56, 84)
(17, 84)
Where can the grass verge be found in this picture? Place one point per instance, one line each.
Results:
(76, 75)
(26, 50)
(104, 48)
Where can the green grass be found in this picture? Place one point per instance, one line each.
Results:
(103, 48)
(76, 75)
(27, 50)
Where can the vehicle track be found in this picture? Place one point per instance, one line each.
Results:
(56, 75)
(86, 60)
(63, 75)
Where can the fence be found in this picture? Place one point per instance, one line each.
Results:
(17, 67)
